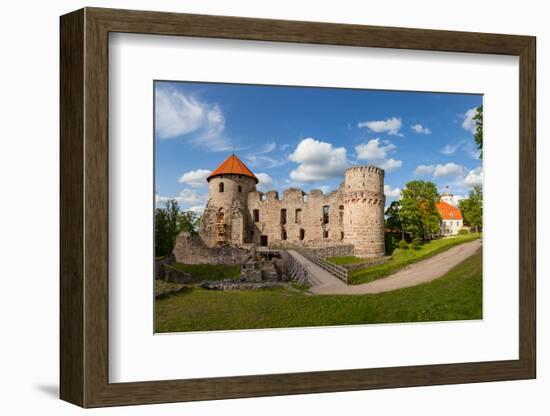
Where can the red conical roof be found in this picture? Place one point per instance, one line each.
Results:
(232, 166)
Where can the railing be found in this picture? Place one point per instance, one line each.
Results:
(295, 270)
(338, 271)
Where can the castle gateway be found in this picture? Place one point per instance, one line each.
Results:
(239, 215)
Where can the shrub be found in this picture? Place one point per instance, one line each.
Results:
(416, 243)
(463, 231)
(390, 243)
(403, 245)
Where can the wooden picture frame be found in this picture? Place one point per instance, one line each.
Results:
(84, 207)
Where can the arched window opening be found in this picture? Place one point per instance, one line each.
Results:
(220, 187)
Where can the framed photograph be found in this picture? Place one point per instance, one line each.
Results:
(255, 207)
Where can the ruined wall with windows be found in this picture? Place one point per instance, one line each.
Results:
(297, 218)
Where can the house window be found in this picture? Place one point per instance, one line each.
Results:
(220, 187)
(302, 234)
(325, 214)
(298, 216)
(325, 234)
(256, 215)
(283, 216)
(240, 188)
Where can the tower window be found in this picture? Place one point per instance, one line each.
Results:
(325, 214)
(341, 235)
(256, 215)
(240, 188)
(283, 216)
(283, 235)
(341, 214)
(325, 234)
(220, 187)
(302, 234)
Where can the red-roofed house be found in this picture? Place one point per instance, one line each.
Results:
(451, 216)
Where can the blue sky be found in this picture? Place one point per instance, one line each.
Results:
(307, 137)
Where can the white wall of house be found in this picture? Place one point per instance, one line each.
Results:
(450, 227)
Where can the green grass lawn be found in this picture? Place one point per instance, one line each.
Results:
(210, 271)
(455, 296)
(401, 258)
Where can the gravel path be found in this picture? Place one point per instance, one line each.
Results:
(421, 272)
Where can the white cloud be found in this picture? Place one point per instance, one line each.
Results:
(390, 126)
(195, 178)
(467, 146)
(474, 178)
(468, 122)
(258, 157)
(186, 197)
(198, 209)
(264, 181)
(178, 114)
(439, 170)
(318, 161)
(450, 149)
(266, 148)
(392, 193)
(420, 129)
(448, 169)
(376, 153)
(265, 162)
(389, 165)
(424, 169)
(373, 150)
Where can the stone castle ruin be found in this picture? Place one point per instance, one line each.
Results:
(238, 218)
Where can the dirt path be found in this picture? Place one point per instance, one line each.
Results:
(421, 272)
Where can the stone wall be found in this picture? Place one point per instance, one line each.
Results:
(192, 250)
(297, 217)
(333, 251)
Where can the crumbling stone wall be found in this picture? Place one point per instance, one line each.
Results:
(190, 249)
(312, 218)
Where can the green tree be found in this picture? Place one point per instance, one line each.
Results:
(478, 135)
(169, 222)
(188, 221)
(163, 240)
(393, 221)
(419, 215)
(472, 209)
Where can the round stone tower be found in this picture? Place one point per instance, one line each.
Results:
(364, 202)
(224, 220)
